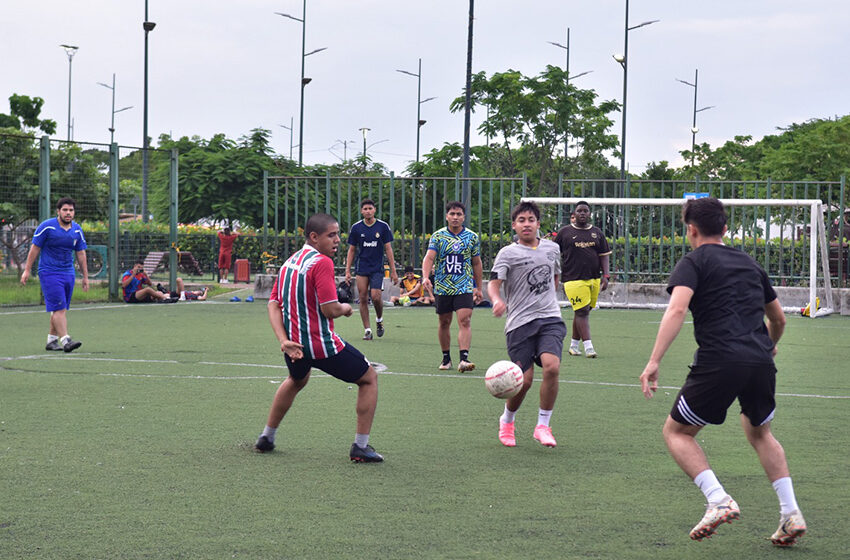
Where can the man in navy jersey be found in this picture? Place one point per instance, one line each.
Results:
(729, 296)
(57, 241)
(370, 238)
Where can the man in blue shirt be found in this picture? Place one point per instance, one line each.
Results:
(57, 241)
(370, 238)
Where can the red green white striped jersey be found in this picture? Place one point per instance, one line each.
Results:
(304, 283)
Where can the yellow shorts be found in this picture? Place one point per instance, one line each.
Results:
(582, 292)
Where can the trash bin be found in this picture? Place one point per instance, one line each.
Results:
(243, 270)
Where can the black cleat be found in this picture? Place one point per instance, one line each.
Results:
(161, 288)
(263, 445)
(55, 345)
(364, 454)
(380, 329)
(71, 345)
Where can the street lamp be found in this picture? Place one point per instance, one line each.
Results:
(148, 27)
(419, 102)
(70, 50)
(345, 144)
(623, 60)
(304, 81)
(694, 128)
(364, 130)
(112, 126)
(289, 128)
(567, 72)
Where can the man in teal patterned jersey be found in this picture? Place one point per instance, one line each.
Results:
(454, 255)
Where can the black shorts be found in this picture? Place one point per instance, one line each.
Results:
(448, 304)
(710, 390)
(132, 299)
(349, 365)
(527, 342)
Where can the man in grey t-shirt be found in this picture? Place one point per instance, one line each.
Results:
(528, 272)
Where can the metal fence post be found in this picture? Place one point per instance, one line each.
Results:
(265, 210)
(172, 234)
(327, 191)
(112, 236)
(44, 179)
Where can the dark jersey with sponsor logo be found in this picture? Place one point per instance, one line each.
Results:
(370, 241)
(580, 252)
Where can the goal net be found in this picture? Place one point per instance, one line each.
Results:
(647, 237)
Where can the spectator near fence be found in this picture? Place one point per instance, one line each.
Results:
(225, 253)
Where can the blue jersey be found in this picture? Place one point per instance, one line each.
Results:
(370, 241)
(58, 246)
(453, 262)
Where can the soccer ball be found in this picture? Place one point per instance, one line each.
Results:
(503, 379)
(404, 300)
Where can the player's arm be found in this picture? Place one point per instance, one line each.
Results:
(126, 279)
(33, 254)
(428, 268)
(478, 276)
(388, 248)
(334, 309)
(292, 349)
(670, 326)
(493, 287)
(775, 321)
(349, 260)
(605, 262)
(84, 268)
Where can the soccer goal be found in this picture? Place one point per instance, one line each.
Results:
(647, 238)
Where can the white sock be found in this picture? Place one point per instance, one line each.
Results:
(507, 416)
(710, 486)
(588, 345)
(361, 440)
(379, 319)
(785, 491)
(269, 433)
(574, 343)
(52, 338)
(368, 330)
(543, 417)
(65, 339)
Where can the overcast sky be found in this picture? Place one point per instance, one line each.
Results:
(230, 66)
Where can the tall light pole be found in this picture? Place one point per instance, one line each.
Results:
(419, 102)
(289, 128)
(567, 72)
(70, 50)
(623, 59)
(148, 27)
(694, 128)
(112, 125)
(467, 110)
(364, 130)
(304, 81)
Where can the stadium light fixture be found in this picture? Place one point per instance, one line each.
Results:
(419, 101)
(112, 125)
(694, 128)
(70, 50)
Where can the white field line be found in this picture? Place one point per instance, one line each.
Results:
(378, 367)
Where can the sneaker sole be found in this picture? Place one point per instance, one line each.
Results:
(547, 444)
(789, 539)
(709, 530)
(362, 460)
(444, 367)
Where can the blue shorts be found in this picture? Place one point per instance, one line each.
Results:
(57, 290)
(349, 365)
(376, 280)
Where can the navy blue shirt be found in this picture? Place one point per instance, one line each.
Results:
(370, 241)
(58, 246)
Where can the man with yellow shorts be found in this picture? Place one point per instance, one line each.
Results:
(585, 260)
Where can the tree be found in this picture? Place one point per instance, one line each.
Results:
(24, 113)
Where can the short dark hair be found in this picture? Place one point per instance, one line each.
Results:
(367, 201)
(227, 231)
(455, 204)
(66, 200)
(408, 268)
(319, 223)
(139, 261)
(525, 207)
(579, 203)
(707, 214)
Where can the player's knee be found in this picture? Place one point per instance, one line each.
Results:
(583, 311)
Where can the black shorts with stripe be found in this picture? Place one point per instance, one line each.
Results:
(348, 365)
(710, 389)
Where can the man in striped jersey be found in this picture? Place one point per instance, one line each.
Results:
(302, 307)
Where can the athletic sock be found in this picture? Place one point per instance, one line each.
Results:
(574, 343)
(464, 355)
(508, 416)
(269, 433)
(785, 492)
(543, 417)
(368, 331)
(588, 345)
(447, 357)
(379, 319)
(65, 339)
(52, 338)
(710, 486)
(361, 440)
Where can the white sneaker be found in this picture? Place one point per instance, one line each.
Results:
(589, 353)
(724, 512)
(182, 296)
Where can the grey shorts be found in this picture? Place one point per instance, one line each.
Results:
(528, 342)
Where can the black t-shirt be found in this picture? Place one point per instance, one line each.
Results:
(730, 292)
(580, 252)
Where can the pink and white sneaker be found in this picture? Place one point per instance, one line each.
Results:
(543, 434)
(506, 434)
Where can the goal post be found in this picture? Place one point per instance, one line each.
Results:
(815, 238)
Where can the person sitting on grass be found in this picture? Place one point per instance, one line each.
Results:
(137, 287)
(413, 290)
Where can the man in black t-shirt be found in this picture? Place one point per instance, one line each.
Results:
(584, 256)
(729, 296)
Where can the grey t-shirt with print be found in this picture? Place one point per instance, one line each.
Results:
(528, 282)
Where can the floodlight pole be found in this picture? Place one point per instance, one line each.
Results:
(70, 50)
(112, 125)
(148, 27)
(465, 195)
(694, 128)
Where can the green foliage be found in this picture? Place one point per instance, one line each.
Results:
(24, 112)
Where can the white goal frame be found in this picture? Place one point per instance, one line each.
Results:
(817, 231)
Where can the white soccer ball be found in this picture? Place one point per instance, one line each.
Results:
(503, 379)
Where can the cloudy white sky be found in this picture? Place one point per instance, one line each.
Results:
(230, 66)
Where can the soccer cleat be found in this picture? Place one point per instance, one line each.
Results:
(590, 353)
(574, 351)
(724, 512)
(465, 366)
(71, 345)
(367, 335)
(791, 528)
(364, 454)
(263, 445)
(543, 434)
(54, 345)
(380, 329)
(445, 365)
(161, 288)
(506, 434)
